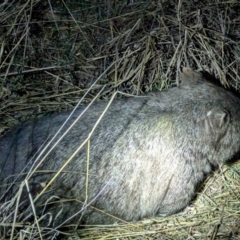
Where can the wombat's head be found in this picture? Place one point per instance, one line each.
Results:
(216, 117)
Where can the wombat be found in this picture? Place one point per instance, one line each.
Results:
(146, 156)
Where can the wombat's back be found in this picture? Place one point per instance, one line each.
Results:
(145, 157)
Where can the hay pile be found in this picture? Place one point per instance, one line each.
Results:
(51, 52)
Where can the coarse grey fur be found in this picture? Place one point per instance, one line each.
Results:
(147, 154)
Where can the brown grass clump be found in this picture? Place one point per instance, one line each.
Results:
(51, 52)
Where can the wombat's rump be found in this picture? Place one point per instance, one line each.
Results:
(146, 156)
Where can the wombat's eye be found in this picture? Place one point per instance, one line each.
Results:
(216, 118)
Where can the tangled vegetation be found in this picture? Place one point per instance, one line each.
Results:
(53, 51)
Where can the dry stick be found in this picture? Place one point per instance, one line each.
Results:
(87, 172)
(173, 58)
(29, 71)
(16, 210)
(19, 14)
(33, 208)
(8, 67)
(53, 15)
(2, 50)
(127, 33)
(10, 30)
(4, 61)
(27, 32)
(84, 35)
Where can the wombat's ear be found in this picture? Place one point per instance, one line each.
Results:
(216, 118)
(189, 76)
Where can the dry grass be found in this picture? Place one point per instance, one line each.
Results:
(51, 52)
